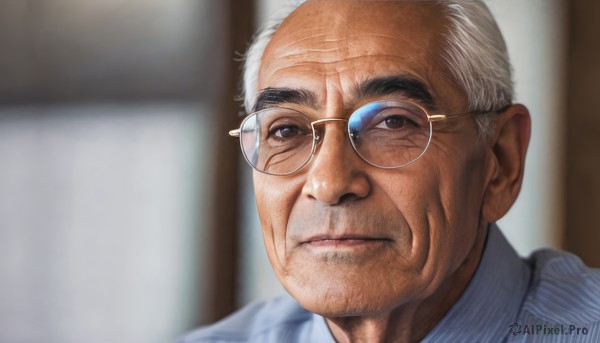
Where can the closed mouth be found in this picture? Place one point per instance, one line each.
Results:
(348, 239)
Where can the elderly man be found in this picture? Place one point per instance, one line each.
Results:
(385, 146)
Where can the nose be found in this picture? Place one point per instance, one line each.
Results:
(336, 174)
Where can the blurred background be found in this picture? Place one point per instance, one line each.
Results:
(126, 212)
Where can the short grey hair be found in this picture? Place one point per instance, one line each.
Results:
(474, 53)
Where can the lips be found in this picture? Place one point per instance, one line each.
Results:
(313, 225)
(348, 239)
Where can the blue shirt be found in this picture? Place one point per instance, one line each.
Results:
(550, 297)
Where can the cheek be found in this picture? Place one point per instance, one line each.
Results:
(275, 198)
(455, 203)
(417, 194)
(440, 198)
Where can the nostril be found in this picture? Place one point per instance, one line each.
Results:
(347, 198)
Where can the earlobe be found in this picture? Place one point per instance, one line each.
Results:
(508, 149)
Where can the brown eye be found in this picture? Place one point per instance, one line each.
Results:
(395, 122)
(285, 132)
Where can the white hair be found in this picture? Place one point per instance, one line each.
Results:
(474, 54)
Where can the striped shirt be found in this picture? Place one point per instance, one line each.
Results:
(549, 297)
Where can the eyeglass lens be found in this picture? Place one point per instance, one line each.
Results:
(386, 134)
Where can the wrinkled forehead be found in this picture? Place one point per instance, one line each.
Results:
(337, 35)
(337, 17)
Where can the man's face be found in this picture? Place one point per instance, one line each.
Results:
(345, 237)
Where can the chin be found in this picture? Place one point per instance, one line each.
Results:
(331, 296)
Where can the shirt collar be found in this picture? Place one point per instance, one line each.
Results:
(493, 298)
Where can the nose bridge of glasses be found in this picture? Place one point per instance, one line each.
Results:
(322, 121)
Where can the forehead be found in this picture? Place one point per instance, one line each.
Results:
(354, 41)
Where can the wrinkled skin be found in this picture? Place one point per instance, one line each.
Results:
(382, 254)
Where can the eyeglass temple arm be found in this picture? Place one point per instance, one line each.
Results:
(437, 117)
(234, 133)
(440, 117)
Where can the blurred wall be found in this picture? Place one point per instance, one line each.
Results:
(70, 50)
(98, 229)
(107, 111)
(582, 232)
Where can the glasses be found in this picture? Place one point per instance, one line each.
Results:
(386, 134)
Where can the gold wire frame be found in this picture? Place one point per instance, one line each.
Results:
(431, 118)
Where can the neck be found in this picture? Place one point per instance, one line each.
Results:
(413, 321)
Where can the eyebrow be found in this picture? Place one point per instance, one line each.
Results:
(270, 97)
(407, 86)
(377, 87)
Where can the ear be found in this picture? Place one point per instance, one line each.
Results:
(508, 147)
